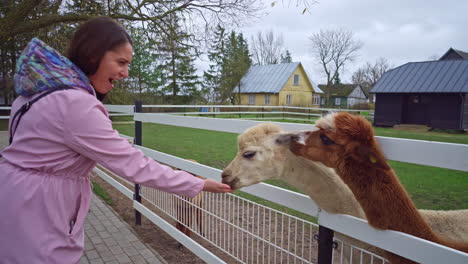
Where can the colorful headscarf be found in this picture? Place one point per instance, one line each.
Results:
(42, 68)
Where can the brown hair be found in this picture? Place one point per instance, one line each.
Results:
(93, 39)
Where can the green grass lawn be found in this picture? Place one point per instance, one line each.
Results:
(3, 125)
(430, 187)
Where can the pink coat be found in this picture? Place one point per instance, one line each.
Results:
(44, 184)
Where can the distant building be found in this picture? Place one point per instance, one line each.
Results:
(285, 84)
(432, 93)
(453, 54)
(344, 95)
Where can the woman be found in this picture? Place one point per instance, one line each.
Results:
(44, 184)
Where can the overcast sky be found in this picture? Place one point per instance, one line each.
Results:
(399, 30)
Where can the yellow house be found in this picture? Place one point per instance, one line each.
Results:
(285, 84)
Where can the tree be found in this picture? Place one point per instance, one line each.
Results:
(369, 74)
(333, 49)
(145, 73)
(286, 57)
(236, 63)
(267, 49)
(178, 61)
(212, 77)
(18, 15)
(54, 21)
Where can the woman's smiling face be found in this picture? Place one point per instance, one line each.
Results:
(113, 66)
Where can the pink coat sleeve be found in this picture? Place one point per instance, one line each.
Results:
(89, 132)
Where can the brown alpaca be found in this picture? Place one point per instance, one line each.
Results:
(346, 142)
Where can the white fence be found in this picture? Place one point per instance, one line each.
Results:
(445, 155)
(263, 112)
(243, 111)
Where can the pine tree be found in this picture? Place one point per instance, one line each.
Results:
(235, 64)
(212, 77)
(178, 61)
(286, 57)
(145, 72)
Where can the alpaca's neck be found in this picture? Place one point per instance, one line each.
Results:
(384, 200)
(322, 184)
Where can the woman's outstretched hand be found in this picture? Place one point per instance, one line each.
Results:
(216, 187)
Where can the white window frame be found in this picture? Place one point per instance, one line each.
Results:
(316, 99)
(267, 99)
(251, 99)
(296, 79)
(337, 101)
(288, 99)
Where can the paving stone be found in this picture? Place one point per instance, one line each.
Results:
(109, 240)
(138, 245)
(92, 254)
(130, 251)
(101, 248)
(138, 259)
(104, 234)
(116, 250)
(107, 256)
(96, 240)
(122, 258)
(84, 260)
(96, 261)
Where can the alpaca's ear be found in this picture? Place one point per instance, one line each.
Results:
(372, 156)
(286, 139)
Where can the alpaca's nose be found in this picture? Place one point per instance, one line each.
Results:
(225, 174)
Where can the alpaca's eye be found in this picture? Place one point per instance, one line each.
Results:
(326, 140)
(248, 154)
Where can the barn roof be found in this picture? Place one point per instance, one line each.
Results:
(269, 78)
(446, 76)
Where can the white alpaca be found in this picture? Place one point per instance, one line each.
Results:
(259, 158)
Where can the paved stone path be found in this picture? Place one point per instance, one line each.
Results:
(108, 239)
(112, 241)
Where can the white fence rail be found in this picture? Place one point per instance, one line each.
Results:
(5, 108)
(267, 112)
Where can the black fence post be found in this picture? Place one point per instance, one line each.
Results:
(137, 141)
(325, 245)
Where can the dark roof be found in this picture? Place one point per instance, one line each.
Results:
(340, 90)
(269, 78)
(446, 76)
(454, 54)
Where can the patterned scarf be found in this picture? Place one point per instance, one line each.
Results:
(42, 68)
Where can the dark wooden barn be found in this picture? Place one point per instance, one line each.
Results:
(432, 93)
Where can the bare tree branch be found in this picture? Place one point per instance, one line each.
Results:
(266, 49)
(334, 48)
